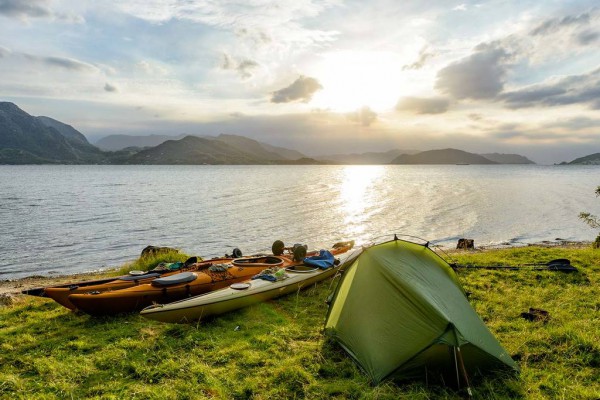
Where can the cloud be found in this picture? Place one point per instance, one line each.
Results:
(364, 116)
(420, 63)
(24, 9)
(555, 24)
(423, 105)
(67, 63)
(110, 88)
(575, 89)
(481, 75)
(256, 21)
(574, 124)
(243, 67)
(460, 7)
(588, 37)
(4, 52)
(302, 89)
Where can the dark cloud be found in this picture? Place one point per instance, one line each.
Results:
(555, 24)
(576, 89)
(424, 55)
(61, 62)
(423, 105)
(365, 116)
(574, 124)
(67, 63)
(110, 88)
(479, 76)
(25, 8)
(302, 89)
(243, 67)
(588, 37)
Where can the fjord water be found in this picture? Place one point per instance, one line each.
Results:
(66, 219)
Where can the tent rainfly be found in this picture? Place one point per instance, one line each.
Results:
(400, 312)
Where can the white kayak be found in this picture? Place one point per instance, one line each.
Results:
(244, 294)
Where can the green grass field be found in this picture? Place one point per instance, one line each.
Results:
(276, 350)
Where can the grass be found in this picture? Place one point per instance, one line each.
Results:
(150, 261)
(276, 350)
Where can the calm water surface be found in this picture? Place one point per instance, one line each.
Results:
(64, 219)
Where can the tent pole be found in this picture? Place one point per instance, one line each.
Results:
(464, 371)
(456, 367)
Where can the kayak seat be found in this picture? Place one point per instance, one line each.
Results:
(269, 261)
(138, 277)
(176, 279)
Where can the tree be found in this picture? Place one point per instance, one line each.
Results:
(592, 221)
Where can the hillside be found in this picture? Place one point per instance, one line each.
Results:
(445, 156)
(257, 149)
(368, 158)
(193, 150)
(507, 158)
(592, 159)
(25, 139)
(120, 142)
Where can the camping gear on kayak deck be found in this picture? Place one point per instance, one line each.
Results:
(400, 312)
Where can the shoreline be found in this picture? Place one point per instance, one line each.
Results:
(11, 287)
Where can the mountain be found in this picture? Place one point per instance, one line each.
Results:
(592, 159)
(445, 156)
(120, 142)
(193, 150)
(507, 158)
(253, 147)
(222, 150)
(369, 158)
(25, 139)
(259, 150)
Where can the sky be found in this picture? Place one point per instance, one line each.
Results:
(322, 77)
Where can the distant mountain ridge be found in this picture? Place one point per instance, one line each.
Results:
(454, 156)
(368, 158)
(592, 159)
(507, 158)
(222, 150)
(444, 156)
(120, 142)
(26, 139)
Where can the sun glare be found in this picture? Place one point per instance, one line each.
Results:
(354, 79)
(356, 196)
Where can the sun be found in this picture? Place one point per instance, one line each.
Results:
(353, 79)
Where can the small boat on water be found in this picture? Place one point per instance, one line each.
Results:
(243, 294)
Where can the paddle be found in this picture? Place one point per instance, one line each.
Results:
(560, 264)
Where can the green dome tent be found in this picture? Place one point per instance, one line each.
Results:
(400, 312)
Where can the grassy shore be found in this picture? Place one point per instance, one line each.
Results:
(276, 350)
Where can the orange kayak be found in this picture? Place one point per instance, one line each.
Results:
(207, 277)
(61, 293)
